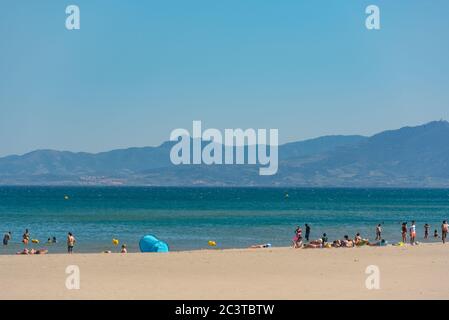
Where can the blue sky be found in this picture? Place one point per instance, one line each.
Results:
(138, 69)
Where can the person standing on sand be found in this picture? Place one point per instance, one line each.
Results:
(7, 238)
(307, 232)
(426, 230)
(297, 239)
(444, 230)
(412, 233)
(379, 232)
(404, 232)
(70, 242)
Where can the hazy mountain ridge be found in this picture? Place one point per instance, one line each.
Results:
(407, 157)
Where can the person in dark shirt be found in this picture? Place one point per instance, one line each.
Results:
(324, 238)
(6, 238)
(426, 230)
(307, 232)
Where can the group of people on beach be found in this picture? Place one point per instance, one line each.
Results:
(26, 239)
(347, 242)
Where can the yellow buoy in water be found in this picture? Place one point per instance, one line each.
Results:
(212, 243)
(115, 242)
(35, 241)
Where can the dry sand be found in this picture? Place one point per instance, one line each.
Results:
(419, 272)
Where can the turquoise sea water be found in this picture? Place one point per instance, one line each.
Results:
(186, 218)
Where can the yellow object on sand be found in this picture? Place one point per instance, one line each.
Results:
(115, 242)
(35, 241)
(212, 243)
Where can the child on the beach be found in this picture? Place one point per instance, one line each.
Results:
(444, 230)
(412, 233)
(124, 250)
(70, 242)
(404, 232)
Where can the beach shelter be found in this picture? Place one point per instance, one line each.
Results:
(150, 243)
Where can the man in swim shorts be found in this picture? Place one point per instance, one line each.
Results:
(444, 230)
(379, 232)
(70, 242)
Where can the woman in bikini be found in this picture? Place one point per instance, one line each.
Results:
(404, 232)
(297, 239)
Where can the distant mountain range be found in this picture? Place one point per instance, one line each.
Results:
(407, 157)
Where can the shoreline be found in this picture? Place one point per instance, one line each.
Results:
(407, 272)
(218, 249)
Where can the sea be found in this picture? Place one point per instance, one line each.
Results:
(188, 218)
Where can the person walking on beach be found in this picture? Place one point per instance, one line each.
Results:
(412, 233)
(70, 242)
(379, 232)
(7, 238)
(444, 230)
(404, 232)
(297, 239)
(307, 232)
(26, 237)
(426, 230)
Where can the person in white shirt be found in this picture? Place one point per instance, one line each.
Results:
(412, 233)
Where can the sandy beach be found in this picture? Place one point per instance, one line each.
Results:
(419, 272)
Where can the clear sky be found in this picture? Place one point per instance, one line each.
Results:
(138, 69)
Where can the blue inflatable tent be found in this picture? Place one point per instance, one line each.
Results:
(150, 243)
